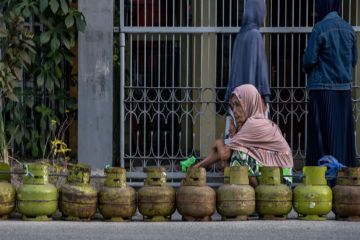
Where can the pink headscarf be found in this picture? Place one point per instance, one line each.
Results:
(259, 137)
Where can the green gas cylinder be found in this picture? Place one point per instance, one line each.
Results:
(236, 199)
(346, 193)
(37, 199)
(273, 199)
(156, 198)
(7, 193)
(117, 201)
(313, 198)
(194, 199)
(77, 198)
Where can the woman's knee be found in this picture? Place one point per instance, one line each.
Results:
(225, 153)
(217, 144)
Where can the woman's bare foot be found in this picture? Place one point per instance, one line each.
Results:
(253, 182)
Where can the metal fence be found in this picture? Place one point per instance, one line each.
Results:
(175, 64)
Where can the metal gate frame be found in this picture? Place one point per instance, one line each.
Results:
(201, 30)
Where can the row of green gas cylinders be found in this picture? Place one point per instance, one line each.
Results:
(38, 200)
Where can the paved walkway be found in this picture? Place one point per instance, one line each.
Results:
(177, 230)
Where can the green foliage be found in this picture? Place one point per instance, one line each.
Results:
(42, 55)
(17, 53)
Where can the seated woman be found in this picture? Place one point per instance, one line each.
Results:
(255, 141)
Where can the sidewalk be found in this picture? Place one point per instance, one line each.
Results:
(177, 230)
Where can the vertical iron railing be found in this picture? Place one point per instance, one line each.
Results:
(176, 65)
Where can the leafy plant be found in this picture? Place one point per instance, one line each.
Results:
(18, 50)
(44, 94)
(59, 150)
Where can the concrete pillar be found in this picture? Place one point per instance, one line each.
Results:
(352, 15)
(356, 95)
(95, 112)
(205, 69)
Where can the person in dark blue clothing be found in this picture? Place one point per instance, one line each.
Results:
(329, 60)
(249, 61)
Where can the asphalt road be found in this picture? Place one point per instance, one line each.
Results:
(254, 229)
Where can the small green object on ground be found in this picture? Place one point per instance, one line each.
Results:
(187, 163)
